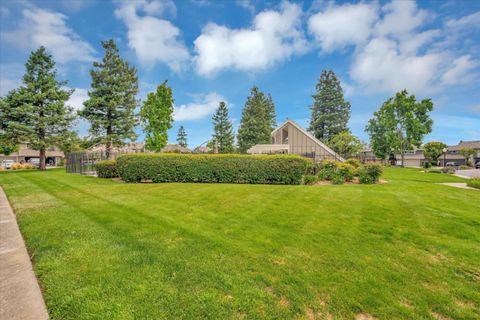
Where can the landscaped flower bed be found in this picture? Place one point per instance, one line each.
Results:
(351, 171)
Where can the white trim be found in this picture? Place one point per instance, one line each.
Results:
(308, 134)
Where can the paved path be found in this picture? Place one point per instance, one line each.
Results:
(20, 296)
(470, 173)
(461, 185)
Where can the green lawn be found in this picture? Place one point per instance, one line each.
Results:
(108, 250)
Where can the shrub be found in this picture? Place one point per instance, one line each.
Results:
(464, 167)
(310, 179)
(214, 168)
(312, 168)
(353, 162)
(433, 171)
(106, 169)
(346, 171)
(16, 166)
(2, 168)
(328, 169)
(474, 183)
(427, 164)
(370, 173)
(449, 170)
(338, 178)
(27, 166)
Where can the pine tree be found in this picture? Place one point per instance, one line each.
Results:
(182, 137)
(112, 99)
(36, 112)
(330, 112)
(223, 136)
(258, 120)
(157, 117)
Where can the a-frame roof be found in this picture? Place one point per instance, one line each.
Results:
(308, 134)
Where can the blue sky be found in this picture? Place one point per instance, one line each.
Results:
(217, 50)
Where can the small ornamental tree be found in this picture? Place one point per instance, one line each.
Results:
(36, 112)
(433, 150)
(345, 144)
(182, 137)
(467, 153)
(223, 137)
(112, 100)
(330, 111)
(400, 124)
(157, 117)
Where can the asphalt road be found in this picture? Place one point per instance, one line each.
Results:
(470, 173)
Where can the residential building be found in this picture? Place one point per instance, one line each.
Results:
(291, 138)
(26, 154)
(454, 157)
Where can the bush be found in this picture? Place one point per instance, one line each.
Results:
(27, 166)
(328, 169)
(474, 183)
(2, 168)
(213, 168)
(370, 173)
(106, 169)
(346, 171)
(433, 171)
(353, 162)
(427, 164)
(449, 170)
(310, 179)
(338, 178)
(464, 167)
(22, 166)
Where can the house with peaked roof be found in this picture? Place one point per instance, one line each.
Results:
(291, 138)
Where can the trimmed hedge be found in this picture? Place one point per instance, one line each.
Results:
(106, 169)
(213, 168)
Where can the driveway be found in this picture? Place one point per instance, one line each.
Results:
(470, 173)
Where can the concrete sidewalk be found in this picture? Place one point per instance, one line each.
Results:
(20, 295)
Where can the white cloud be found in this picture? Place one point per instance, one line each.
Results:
(77, 98)
(273, 37)
(472, 20)
(153, 39)
(40, 27)
(401, 18)
(339, 26)
(247, 4)
(461, 70)
(204, 106)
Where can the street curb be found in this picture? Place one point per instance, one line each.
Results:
(20, 294)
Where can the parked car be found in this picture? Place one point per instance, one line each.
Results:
(7, 164)
(477, 165)
(451, 164)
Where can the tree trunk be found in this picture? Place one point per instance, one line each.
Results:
(108, 150)
(403, 158)
(42, 159)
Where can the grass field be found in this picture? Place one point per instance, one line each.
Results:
(408, 249)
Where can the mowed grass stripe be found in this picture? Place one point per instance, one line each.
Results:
(103, 249)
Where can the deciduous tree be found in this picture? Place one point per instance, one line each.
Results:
(157, 117)
(112, 99)
(223, 137)
(400, 124)
(467, 153)
(433, 150)
(330, 111)
(345, 144)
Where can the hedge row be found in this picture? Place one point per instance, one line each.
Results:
(214, 168)
(106, 169)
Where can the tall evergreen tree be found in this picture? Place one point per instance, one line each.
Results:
(112, 99)
(258, 120)
(330, 112)
(36, 112)
(223, 136)
(182, 137)
(157, 117)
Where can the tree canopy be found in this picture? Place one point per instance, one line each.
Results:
(433, 150)
(182, 137)
(345, 144)
(399, 125)
(112, 99)
(258, 120)
(36, 112)
(223, 137)
(157, 117)
(330, 111)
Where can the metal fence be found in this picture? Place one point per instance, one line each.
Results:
(84, 162)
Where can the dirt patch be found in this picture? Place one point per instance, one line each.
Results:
(283, 302)
(439, 316)
(269, 290)
(310, 314)
(364, 316)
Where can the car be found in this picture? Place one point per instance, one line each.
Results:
(7, 164)
(477, 165)
(451, 164)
